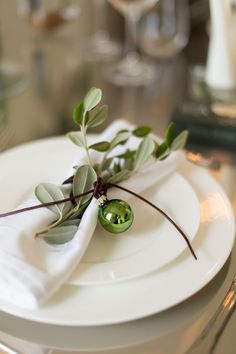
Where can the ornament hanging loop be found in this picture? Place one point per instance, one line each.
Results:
(100, 190)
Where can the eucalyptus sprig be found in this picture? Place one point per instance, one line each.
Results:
(85, 116)
(171, 143)
(112, 167)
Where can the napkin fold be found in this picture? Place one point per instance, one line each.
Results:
(31, 270)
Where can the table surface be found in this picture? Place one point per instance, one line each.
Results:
(59, 77)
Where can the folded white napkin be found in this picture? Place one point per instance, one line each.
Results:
(31, 270)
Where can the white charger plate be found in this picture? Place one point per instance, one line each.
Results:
(157, 291)
(148, 245)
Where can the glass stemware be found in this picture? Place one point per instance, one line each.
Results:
(165, 30)
(100, 46)
(13, 78)
(132, 69)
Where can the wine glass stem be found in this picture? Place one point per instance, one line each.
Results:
(131, 35)
(100, 16)
(1, 46)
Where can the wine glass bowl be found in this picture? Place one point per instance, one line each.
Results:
(132, 70)
(100, 46)
(138, 7)
(165, 30)
(13, 79)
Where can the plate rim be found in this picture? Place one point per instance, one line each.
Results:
(29, 315)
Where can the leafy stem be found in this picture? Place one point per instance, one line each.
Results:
(114, 166)
(51, 226)
(57, 222)
(84, 131)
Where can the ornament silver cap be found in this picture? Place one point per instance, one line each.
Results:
(102, 200)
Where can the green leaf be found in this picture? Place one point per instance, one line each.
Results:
(47, 192)
(162, 151)
(99, 117)
(60, 234)
(120, 176)
(77, 215)
(180, 141)
(129, 164)
(127, 154)
(78, 113)
(106, 163)
(141, 131)
(83, 181)
(144, 151)
(96, 167)
(116, 167)
(77, 138)
(120, 138)
(92, 98)
(169, 134)
(122, 131)
(71, 222)
(102, 146)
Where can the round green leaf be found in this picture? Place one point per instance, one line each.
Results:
(71, 222)
(61, 234)
(92, 98)
(83, 181)
(78, 113)
(127, 154)
(77, 138)
(180, 141)
(106, 163)
(120, 138)
(120, 176)
(48, 192)
(144, 151)
(99, 117)
(162, 151)
(102, 146)
(77, 215)
(141, 131)
(169, 134)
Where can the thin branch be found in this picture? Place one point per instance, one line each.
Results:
(100, 187)
(160, 211)
(43, 205)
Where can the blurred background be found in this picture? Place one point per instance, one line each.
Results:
(149, 57)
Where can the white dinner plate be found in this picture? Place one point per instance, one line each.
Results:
(157, 291)
(148, 245)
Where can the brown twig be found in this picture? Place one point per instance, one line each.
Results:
(99, 189)
(33, 207)
(160, 211)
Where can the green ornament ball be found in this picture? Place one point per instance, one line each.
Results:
(115, 216)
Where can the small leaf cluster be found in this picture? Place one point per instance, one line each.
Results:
(116, 168)
(68, 214)
(113, 167)
(86, 115)
(171, 143)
